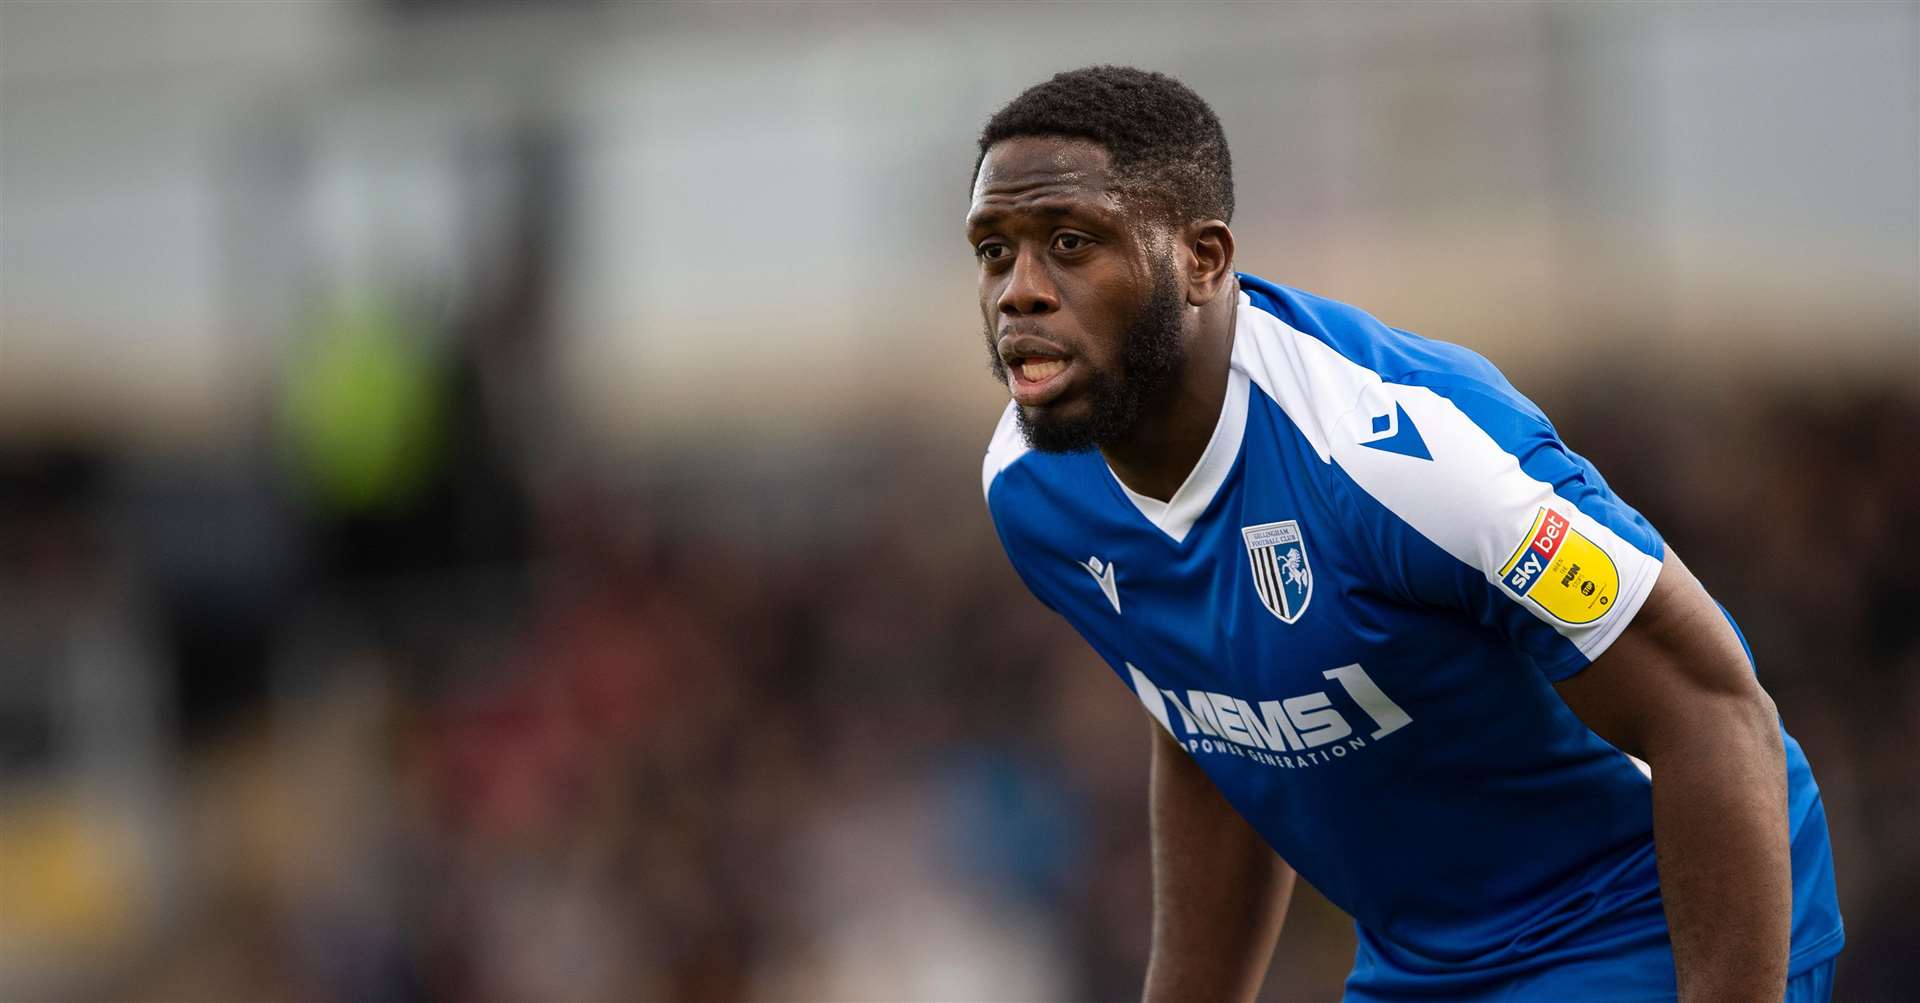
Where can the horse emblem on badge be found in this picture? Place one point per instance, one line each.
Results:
(1277, 557)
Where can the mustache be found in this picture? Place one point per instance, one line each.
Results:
(1026, 338)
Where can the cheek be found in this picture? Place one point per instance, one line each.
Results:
(1103, 309)
(991, 287)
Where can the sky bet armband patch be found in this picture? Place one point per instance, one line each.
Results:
(1566, 573)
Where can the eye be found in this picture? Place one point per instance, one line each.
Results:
(1071, 242)
(991, 250)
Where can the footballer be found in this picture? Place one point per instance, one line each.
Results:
(1393, 635)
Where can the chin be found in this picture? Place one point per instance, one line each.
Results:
(1049, 431)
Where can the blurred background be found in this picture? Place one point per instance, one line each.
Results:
(489, 493)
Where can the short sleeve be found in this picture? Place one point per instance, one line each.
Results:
(1482, 508)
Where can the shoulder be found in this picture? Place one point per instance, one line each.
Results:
(1374, 399)
(1353, 344)
(1334, 368)
(1005, 449)
(1439, 447)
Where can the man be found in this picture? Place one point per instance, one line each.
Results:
(1387, 625)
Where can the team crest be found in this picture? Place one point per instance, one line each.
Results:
(1277, 556)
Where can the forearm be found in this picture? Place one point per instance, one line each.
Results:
(1720, 835)
(1219, 891)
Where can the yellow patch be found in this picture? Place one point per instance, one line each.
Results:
(1580, 584)
(1566, 573)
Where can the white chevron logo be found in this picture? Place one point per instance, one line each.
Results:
(1103, 573)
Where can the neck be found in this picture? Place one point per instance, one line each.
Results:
(1156, 457)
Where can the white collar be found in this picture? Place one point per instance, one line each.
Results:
(1176, 516)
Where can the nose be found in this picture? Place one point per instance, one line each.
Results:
(1029, 289)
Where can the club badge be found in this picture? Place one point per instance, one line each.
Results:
(1277, 558)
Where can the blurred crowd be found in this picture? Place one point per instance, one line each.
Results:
(481, 516)
(476, 722)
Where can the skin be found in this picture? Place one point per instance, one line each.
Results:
(1220, 893)
(1676, 690)
(1066, 261)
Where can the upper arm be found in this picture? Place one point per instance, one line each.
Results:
(1675, 669)
(1524, 535)
(1495, 517)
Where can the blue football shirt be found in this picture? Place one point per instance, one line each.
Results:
(1352, 614)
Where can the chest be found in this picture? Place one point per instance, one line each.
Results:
(1268, 587)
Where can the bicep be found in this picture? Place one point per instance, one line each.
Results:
(1676, 666)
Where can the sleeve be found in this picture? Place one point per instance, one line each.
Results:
(1481, 508)
(1003, 451)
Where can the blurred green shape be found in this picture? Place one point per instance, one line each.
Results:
(363, 409)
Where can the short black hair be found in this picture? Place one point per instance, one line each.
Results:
(1162, 137)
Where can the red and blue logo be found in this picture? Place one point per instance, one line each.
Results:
(1543, 541)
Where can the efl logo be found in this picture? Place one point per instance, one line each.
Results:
(1566, 573)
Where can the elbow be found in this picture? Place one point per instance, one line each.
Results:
(1750, 729)
(1761, 706)
(1763, 718)
(1738, 729)
(1750, 708)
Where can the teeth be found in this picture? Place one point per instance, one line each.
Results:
(1035, 370)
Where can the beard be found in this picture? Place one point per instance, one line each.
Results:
(1151, 353)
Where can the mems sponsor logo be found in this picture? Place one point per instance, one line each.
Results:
(1292, 732)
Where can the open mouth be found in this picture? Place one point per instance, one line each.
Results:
(1037, 379)
(1040, 370)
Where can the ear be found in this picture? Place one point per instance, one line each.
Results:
(1208, 247)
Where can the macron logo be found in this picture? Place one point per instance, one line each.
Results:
(1395, 433)
(1103, 573)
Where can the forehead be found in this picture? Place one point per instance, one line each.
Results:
(1042, 174)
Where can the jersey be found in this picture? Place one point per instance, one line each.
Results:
(1352, 614)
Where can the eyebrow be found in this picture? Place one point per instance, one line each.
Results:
(1052, 208)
